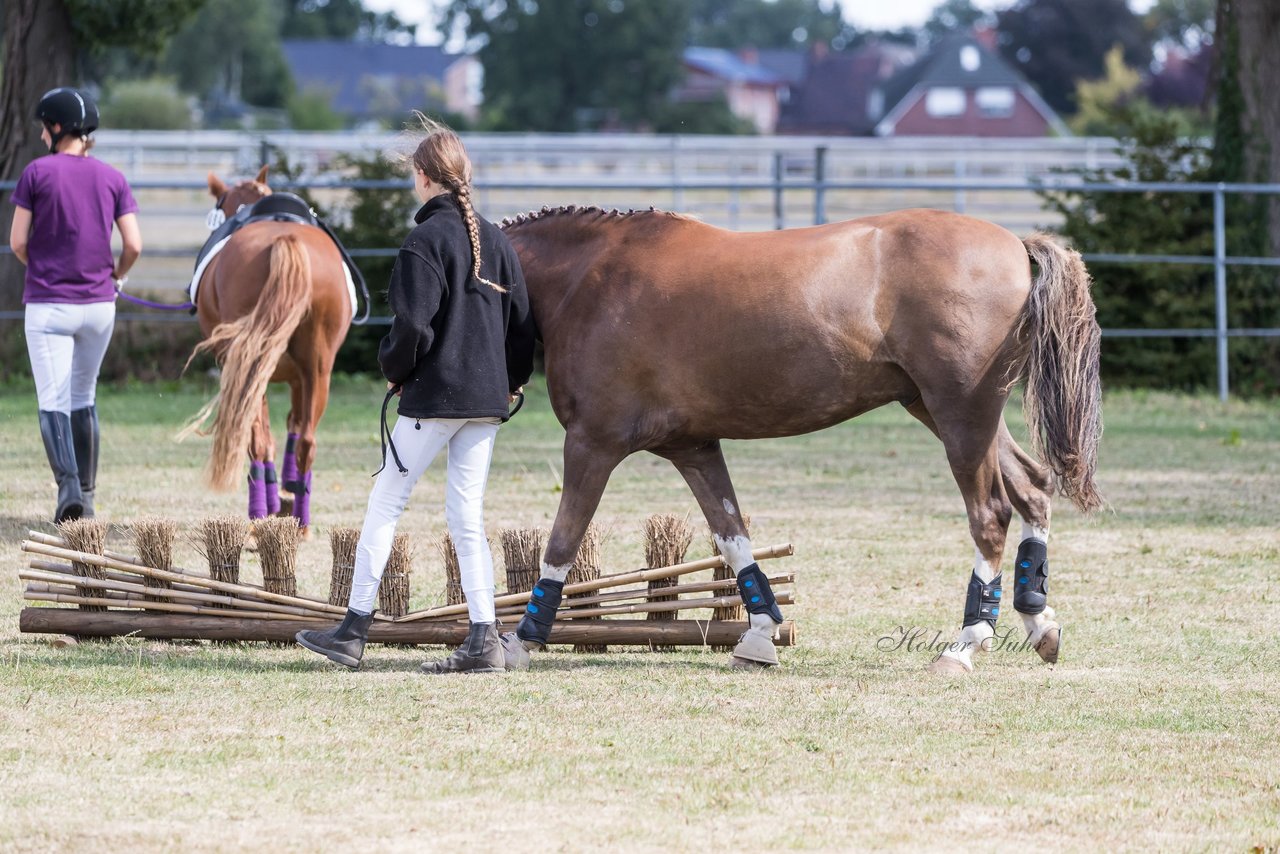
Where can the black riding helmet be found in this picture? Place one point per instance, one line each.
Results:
(75, 111)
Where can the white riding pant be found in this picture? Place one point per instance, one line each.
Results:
(417, 442)
(66, 343)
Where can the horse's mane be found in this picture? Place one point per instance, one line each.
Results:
(584, 212)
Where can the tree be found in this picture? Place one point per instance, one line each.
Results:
(765, 23)
(150, 104)
(1247, 135)
(43, 40)
(231, 53)
(568, 65)
(953, 15)
(343, 20)
(1097, 100)
(1186, 23)
(1058, 42)
(1155, 148)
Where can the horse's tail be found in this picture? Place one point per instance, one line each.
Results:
(1063, 400)
(248, 349)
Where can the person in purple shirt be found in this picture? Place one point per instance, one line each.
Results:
(66, 205)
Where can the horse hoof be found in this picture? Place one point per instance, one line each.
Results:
(948, 665)
(1049, 644)
(514, 652)
(755, 650)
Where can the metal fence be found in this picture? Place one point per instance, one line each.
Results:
(819, 189)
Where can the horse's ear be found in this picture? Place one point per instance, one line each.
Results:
(216, 187)
(262, 175)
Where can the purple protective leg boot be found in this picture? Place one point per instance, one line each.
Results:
(257, 491)
(289, 469)
(272, 487)
(302, 503)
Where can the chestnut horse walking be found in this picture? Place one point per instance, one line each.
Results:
(274, 306)
(664, 334)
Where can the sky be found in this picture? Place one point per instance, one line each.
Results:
(863, 14)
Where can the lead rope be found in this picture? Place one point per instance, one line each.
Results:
(384, 434)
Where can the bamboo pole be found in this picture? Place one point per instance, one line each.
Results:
(646, 592)
(763, 553)
(169, 593)
(198, 580)
(661, 606)
(144, 605)
(62, 621)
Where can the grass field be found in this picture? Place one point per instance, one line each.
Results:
(1159, 728)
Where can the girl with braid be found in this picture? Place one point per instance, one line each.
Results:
(459, 350)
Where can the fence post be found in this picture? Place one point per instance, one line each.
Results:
(1220, 284)
(819, 185)
(779, 213)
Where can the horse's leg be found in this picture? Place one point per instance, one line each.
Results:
(969, 435)
(268, 451)
(1029, 485)
(289, 478)
(588, 462)
(313, 380)
(703, 468)
(259, 452)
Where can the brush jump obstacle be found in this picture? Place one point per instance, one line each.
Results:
(115, 594)
(667, 335)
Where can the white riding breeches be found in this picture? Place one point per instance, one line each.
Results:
(417, 442)
(66, 343)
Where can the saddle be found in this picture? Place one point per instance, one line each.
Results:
(278, 207)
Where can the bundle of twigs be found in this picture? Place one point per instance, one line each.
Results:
(453, 594)
(278, 538)
(88, 536)
(667, 538)
(522, 556)
(342, 542)
(221, 541)
(153, 537)
(586, 567)
(393, 592)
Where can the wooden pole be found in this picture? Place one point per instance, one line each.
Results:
(132, 562)
(197, 580)
(152, 605)
(764, 553)
(661, 606)
(646, 592)
(167, 593)
(64, 621)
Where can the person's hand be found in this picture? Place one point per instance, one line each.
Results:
(120, 280)
(396, 386)
(511, 398)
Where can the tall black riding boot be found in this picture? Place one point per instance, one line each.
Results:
(344, 643)
(84, 437)
(55, 429)
(479, 653)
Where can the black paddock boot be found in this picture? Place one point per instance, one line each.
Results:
(55, 429)
(343, 644)
(84, 438)
(480, 653)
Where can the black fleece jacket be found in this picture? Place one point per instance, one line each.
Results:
(456, 345)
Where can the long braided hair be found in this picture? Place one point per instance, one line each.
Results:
(442, 158)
